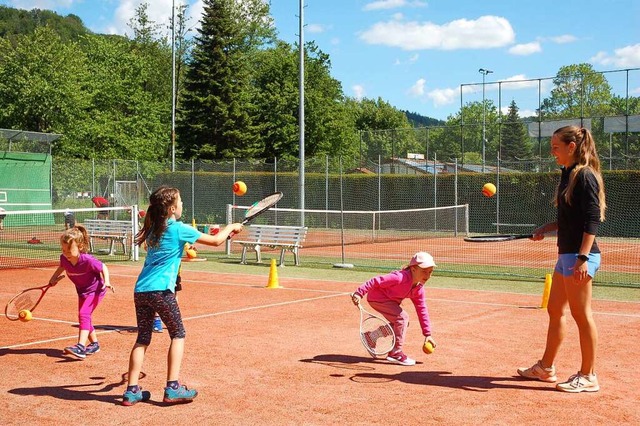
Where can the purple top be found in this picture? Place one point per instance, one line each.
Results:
(86, 274)
(397, 286)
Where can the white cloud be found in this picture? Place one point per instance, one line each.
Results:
(483, 33)
(417, 90)
(392, 4)
(565, 38)
(526, 49)
(624, 57)
(316, 28)
(441, 97)
(358, 91)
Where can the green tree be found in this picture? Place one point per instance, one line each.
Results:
(216, 109)
(15, 22)
(469, 121)
(125, 118)
(42, 82)
(385, 131)
(578, 91)
(514, 139)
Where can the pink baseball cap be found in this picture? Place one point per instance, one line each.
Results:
(422, 259)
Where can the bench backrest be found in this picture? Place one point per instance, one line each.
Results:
(274, 234)
(108, 228)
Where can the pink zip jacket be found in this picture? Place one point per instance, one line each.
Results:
(397, 286)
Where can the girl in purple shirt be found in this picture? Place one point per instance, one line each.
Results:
(91, 278)
(385, 294)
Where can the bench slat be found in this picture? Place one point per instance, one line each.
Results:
(112, 230)
(287, 238)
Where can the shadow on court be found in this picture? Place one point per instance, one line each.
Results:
(51, 353)
(87, 392)
(449, 380)
(348, 362)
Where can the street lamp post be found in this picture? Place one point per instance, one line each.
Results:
(484, 73)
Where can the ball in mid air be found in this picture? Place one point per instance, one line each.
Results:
(489, 190)
(239, 188)
(427, 348)
(25, 315)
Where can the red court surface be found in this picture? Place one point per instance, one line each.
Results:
(292, 356)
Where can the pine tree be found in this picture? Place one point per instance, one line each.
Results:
(515, 143)
(216, 108)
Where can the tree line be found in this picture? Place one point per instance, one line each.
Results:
(236, 93)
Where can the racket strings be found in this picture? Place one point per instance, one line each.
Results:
(258, 206)
(377, 335)
(23, 301)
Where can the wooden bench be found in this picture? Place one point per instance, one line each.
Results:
(286, 238)
(112, 230)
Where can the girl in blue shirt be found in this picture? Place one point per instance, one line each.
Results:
(154, 291)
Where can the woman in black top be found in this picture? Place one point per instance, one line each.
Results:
(580, 202)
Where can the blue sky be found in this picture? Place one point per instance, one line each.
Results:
(418, 54)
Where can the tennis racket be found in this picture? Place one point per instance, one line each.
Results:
(497, 237)
(376, 334)
(26, 299)
(260, 207)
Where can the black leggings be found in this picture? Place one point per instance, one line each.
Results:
(166, 305)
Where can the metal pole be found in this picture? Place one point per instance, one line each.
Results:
(173, 87)
(301, 110)
(484, 73)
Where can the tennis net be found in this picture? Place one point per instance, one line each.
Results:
(385, 238)
(31, 238)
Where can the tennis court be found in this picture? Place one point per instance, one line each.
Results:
(292, 356)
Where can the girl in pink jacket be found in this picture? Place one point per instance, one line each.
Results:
(386, 293)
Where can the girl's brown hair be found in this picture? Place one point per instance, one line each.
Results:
(587, 161)
(155, 221)
(78, 234)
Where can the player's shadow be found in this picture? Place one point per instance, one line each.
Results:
(347, 362)
(85, 392)
(448, 380)
(51, 353)
(70, 392)
(121, 329)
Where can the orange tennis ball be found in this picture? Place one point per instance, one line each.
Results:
(427, 348)
(489, 190)
(192, 254)
(25, 315)
(239, 188)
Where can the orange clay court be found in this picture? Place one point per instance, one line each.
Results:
(292, 356)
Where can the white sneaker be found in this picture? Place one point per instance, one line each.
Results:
(580, 383)
(400, 358)
(538, 372)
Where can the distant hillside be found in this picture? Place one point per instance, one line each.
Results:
(14, 22)
(418, 120)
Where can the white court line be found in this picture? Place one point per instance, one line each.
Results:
(333, 294)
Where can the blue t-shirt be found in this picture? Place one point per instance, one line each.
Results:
(163, 261)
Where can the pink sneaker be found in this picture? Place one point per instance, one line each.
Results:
(400, 358)
(538, 372)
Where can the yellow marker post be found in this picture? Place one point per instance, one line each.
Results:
(273, 275)
(546, 292)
